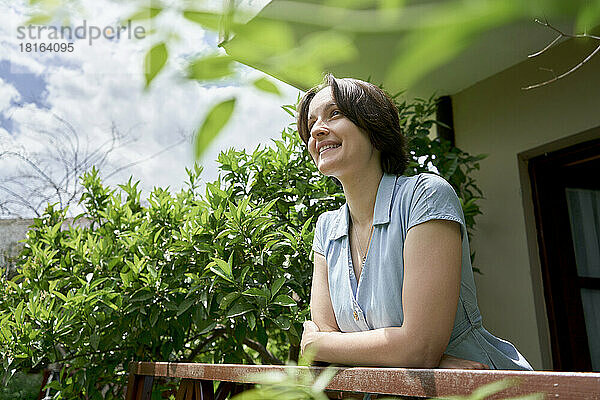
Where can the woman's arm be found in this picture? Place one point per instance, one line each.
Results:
(321, 310)
(432, 267)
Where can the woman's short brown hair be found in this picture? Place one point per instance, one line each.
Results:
(369, 108)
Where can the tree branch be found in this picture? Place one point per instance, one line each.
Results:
(561, 35)
(198, 349)
(52, 174)
(134, 163)
(265, 354)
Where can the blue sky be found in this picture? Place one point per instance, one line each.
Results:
(99, 87)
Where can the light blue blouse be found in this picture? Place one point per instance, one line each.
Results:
(376, 301)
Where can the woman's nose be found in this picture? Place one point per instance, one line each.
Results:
(319, 129)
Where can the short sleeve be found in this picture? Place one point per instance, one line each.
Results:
(317, 240)
(434, 198)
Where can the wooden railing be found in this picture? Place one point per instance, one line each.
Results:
(197, 381)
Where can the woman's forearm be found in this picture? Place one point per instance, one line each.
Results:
(390, 347)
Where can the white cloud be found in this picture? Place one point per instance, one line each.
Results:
(100, 86)
(5, 139)
(8, 94)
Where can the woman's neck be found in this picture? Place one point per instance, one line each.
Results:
(361, 191)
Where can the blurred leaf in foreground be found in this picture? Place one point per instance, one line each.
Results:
(210, 67)
(155, 60)
(266, 86)
(215, 120)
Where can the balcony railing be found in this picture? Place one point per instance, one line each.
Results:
(197, 381)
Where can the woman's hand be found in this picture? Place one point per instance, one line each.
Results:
(309, 336)
(449, 361)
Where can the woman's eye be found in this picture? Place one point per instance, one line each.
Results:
(335, 112)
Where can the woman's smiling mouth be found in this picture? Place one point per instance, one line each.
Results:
(327, 147)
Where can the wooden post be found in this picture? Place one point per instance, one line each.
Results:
(204, 390)
(146, 392)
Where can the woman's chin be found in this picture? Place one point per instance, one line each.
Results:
(326, 168)
(330, 173)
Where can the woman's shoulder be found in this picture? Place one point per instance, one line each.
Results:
(422, 185)
(329, 218)
(426, 179)
(330, 225)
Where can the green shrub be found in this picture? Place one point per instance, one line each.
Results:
(223, 277)
(22, 387)
(219, 277)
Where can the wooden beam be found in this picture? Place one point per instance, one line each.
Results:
(395, 381)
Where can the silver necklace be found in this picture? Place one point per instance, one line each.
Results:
(360, 249)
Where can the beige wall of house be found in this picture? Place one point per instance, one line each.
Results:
(497, 117)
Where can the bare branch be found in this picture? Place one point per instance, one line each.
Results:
(35, 167)
(134, 163)
(19, 200)
(576, 67)
(52, 175)
(561, 35)
(545, 48)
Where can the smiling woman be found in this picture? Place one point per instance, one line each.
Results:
(392, 280)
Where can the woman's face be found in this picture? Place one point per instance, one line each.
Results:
(338, 147)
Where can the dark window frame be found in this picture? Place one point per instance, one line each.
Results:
(550, 174)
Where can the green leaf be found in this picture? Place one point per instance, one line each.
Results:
(214, 122)
(111, 305)
(282, 322)
(266, 86)
(243, 274)
(251, 318)
(206, 326)
(221, 268)
(228, 299)
(492, 388)
(126, 277)
(532, 396)
(230, 264)
(450, 30)
(323, 379)
(5, 333)
(39, 19)
(157, 235)
(239, 308)
(141, 295)
(316, 52)
(306, 226)
(256, 292)
(145, 13)
(277, 285)
(284, 300)
(588, 17)
(261, 334)
(210, 67)
(220, 273)
(155, 60)
(225, 266)
(60, 295)
(153, 316)
(260, 40)
(94, 340)
(240, 332)
(19, 312)
(208, 20)
(187, 303)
